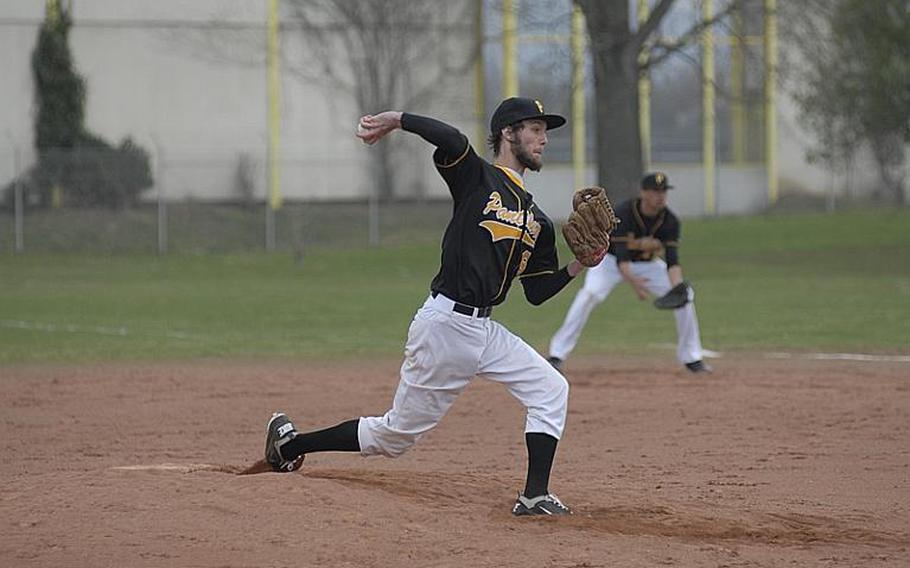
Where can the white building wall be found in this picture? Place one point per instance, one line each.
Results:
(150, 77)
(197, 110)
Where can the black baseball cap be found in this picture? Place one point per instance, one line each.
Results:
(656, 180)
(516, 109)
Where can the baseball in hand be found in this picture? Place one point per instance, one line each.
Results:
(362, 132)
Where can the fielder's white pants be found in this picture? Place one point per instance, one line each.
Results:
(443, 353)
(600, 281)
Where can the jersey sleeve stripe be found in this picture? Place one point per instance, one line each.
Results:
(455, 163)
(541, 273)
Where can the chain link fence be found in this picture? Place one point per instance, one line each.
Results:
(199, 228)
(213, 201)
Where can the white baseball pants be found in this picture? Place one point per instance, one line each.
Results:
(443, 353)
(600, 281)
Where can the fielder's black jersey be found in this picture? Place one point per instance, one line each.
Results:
(664, 226)
(497, 232)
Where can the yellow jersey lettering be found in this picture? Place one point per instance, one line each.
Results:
(525, 256)
(494, 204)
(508, 224)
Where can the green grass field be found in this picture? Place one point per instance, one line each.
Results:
(779, 282)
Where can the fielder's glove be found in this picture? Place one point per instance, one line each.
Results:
(588, 228)
(677, 297)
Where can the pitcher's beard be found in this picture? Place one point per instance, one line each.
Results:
(526, 159)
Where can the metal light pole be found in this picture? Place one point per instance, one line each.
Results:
(578, 96)
(273, 85)
(479, 81)
(708, 120)
(510, 84)
(644, 96)
(771, 99)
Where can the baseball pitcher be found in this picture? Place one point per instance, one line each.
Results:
(497, 234)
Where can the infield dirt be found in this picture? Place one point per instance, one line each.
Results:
(764, 463)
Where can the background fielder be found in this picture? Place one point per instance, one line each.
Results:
(647, 229)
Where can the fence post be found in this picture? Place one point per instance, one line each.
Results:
(19, 209)
(162, 205)
(374, 216)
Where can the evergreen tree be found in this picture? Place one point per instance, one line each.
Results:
(59, 89)
(74, 165)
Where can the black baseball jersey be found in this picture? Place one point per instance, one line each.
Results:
(664, 226)
(497, 232)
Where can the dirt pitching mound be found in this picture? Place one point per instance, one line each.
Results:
(764, 463)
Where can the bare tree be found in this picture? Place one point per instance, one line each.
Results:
(615, 48)
(393, 54)
(850, 80)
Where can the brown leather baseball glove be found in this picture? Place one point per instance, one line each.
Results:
(588, 228)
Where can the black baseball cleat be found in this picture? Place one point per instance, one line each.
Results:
(280, 431)
(556, 362)
(699, 367)
(543, 505)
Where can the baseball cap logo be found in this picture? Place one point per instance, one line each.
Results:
(659, 178)
(539, 106)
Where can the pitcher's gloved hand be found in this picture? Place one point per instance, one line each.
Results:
(587, 231)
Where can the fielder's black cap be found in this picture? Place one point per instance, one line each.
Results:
(516, 109)
(656, 180)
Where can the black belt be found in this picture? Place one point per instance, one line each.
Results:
(470, 310)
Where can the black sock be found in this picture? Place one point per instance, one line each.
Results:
(340, 438)
(541, 449)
